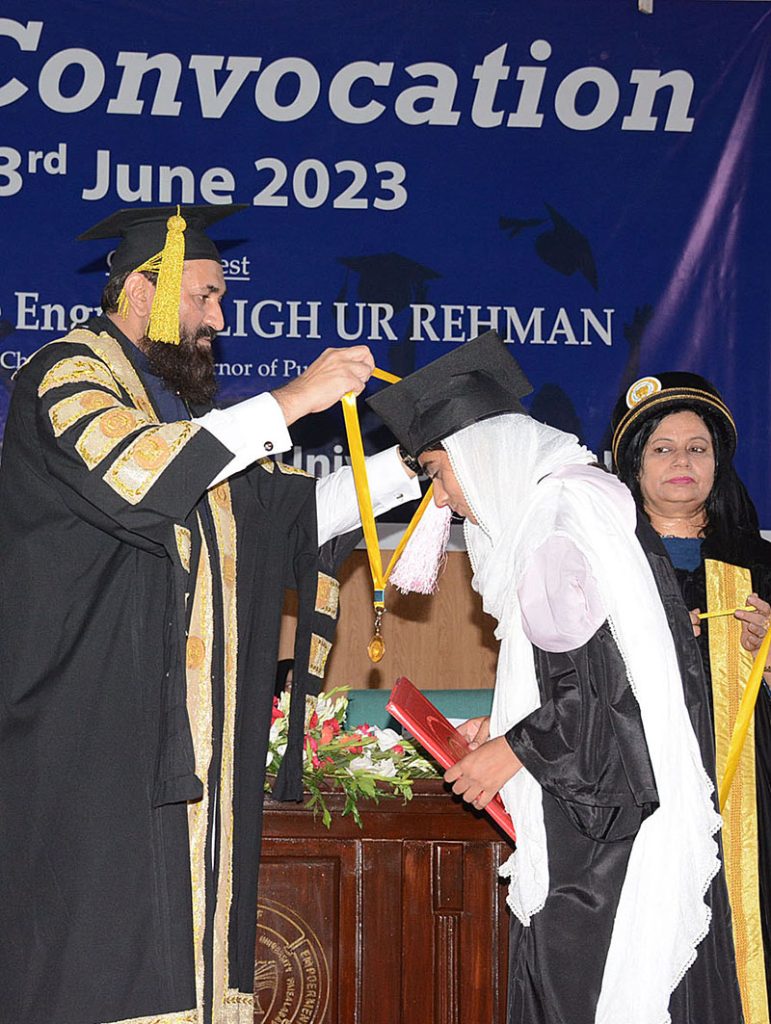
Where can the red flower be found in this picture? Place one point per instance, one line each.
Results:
(314, 720)
(327, 732)
(398, 749)
(276, 713)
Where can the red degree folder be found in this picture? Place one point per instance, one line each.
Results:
(431, 729)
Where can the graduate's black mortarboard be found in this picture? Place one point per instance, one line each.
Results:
(665, 393)
(160, 239)
(477, 380)
(142, 233)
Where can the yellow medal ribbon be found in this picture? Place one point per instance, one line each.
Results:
(744, 717)
(719, 612)
(376, 646)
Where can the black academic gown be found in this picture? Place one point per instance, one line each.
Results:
(586, 747)
(754, 554)
(139, 622)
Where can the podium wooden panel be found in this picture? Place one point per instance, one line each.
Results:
(401, 922)
(444, 641)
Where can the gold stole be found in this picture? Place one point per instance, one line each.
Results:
(728, 587)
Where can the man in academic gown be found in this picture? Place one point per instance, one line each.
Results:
(598, 740)
(145, 545)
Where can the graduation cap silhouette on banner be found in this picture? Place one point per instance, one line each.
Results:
(388, 277)
(561, 247)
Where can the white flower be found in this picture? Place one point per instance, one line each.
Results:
(386, 768)
(284, 701)
(325, 708)
(362, 763)
(387, 738)
(276, 729)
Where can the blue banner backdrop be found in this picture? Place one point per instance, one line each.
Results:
(591, 181)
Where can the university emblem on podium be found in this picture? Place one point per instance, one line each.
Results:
(291, 977)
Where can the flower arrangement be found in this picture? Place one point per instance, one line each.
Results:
(365, 762)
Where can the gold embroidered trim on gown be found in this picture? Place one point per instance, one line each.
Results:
(105, 432)
(327, 595)
(228, 1006)
(181, 1017)
(69, 410)
(320, 648)
(184, 542)
(138, 467)
(200, 643)
(730, 665)
(77, 370)
(121, 367)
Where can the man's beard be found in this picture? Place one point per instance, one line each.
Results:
(186, 369)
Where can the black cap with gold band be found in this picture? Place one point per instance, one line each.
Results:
(667, 393)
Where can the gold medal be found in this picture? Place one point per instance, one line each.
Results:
(376, 649)
(376, 646)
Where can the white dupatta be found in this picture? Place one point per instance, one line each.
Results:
(509, 469)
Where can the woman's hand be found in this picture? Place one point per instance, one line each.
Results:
(754, 623)
(695, 621)
(475, 731)
(478, 776)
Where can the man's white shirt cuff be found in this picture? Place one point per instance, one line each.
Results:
(250, 429)
(389, 486)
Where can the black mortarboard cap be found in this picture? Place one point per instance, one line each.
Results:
(142, 231)
(477, 380)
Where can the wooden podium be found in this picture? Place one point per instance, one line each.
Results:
(401, 922)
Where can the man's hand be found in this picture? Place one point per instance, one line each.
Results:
(335, 372)
(478, 776)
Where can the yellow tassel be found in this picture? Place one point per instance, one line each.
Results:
(164, 315)
(123, 304)
(153, 265)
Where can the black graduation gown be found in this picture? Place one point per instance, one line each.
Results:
(754, 554)
(586, 747)
(132, 604)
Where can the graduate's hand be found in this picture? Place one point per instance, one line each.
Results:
(475, 731)
(327, 379)
(478, 776)
(695, 621)
(754, 623)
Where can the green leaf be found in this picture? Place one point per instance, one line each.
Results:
(366, 785)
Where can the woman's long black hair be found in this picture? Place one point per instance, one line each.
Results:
(729, 508)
